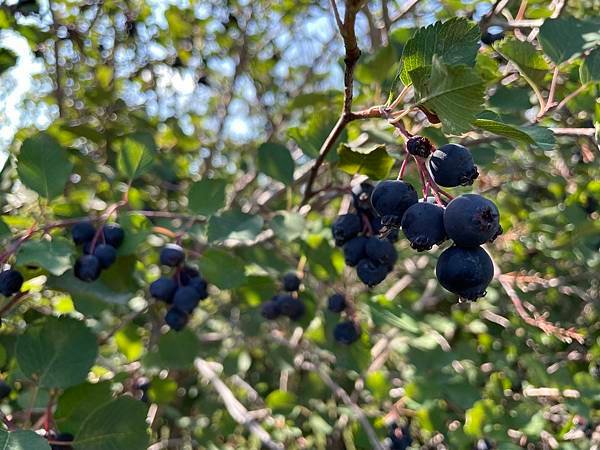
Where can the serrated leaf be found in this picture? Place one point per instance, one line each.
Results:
(136, 154)
(22, 440)
(275, 161)
(57, 353)
(7, 59)
(526, 57)
(566, 36)
(87, 292)
(177, 349)
(43, 166)
(206, 197)
(453, 93)
(77, 402)
(373, 162)
(235, 225)
(119, 424)
(223, 269)
(590, 68)
(543, 137)
(55, 256)
(454, 42)
(288, 225)
(503, 129)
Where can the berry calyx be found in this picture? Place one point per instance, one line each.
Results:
(452, 165)
(471, 220)
(419, 146)
(336, 303)
(11, 282)
(172, 255)
(423, 226)
(346, 332)
(466, 272)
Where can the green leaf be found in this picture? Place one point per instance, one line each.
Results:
(453, 93)
(372, 161)
(177, 349)
(502, 129)
(313, 133)
(526, 57)
(281, 402)
(235, 225)
(566, 36)
(206, 197)
(43, 166)
(454, 42)
(475, 417)
(223, 269)
(136, 154)
(120, 424)
(77, 402)
(87, 292)
(129, 342)
(57, 353)
(55, 256)
(162, 391)
(590, 68)
(4, 229)
(275, 161)
(137, 228)
(22, 440)
(288, 226)
(543, 137)
(7, 59)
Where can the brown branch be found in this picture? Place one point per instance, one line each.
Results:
(58, 92)
(405, 11)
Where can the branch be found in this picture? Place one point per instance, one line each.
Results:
(58, 92)
(236, 410)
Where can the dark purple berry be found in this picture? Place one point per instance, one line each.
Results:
(371, 273)
(82, 232)
(163, 289)
(470, 220)
(5, 390)
(186, 299)
(488, 38)
(354, 250)
(87, 268)
(270, 310)
(336, 303)
(465, 272)
(345, 227)
(201, 287)
(113, 234)
(391, 199)
(400, 437)
(62, 437)
(171, 255)
(11, 281)
(452, 165)
(176, 319)
(381, 252)
(419, 146)
(346, 332)
(291, 282)
(106, 254)
(361, 197)
(423, 226)
(186, 274)
(290, 306)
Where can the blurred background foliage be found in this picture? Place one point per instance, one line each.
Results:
(230, 101)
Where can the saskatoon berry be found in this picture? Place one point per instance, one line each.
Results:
(419, 146)
(400, 437)
(270, 310)
(452, 165)
(336, 303)
(371, 273)
(163, 289)
(361, 197)
(87, 268)
(171, 255)
(346, 227)
(186, 274)
(113, 234)
(381, 251)
(186, 298)
(10, 282)
(423, 226)
(482, 444)
(201, 287)
(82, 232)
(5, 390)
(465, 272)
(391, 198)
(470, 220)
(346, 332)
(106, 254)
(291, 282)
(489, 38)
(290, 307)
(354, 250)
(176, 319)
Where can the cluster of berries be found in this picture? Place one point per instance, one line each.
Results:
(99, 248)
(287, 303)
(11, 281)
(347, 331)
(182, 290)
(367, 242)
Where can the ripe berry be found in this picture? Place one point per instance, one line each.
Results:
(62, 437)
(391, 198)
(291, 282)
(400, 437)
(346, 332)
(381, 251)
(371, 273)
(5, 390)
(186, 298)
(290, 307)
(176, 319)
(163, 289)
(346, 227)
(470, 220)
(423, 226)
(186, 274)
(336, 303)
(270, 310)
(419, 146)
(354, 250)
(82, 232)
(361, 197)
(87, 268)
(106, 254)
(201, 287)
(171, 255)
(452, 165)
(11, 281)
(482, 444)
(465, 272)
(489, 38)
(113, 234)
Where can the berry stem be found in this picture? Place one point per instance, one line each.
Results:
(403, 166)
(367, 228)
